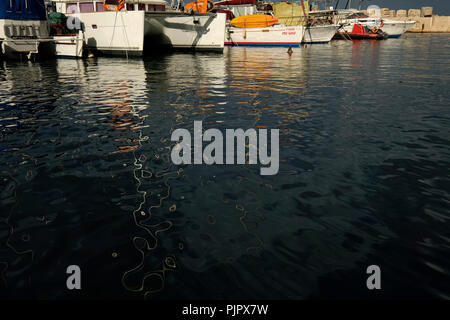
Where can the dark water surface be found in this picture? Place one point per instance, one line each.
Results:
(86, 176)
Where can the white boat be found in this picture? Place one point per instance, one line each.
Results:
(142, 25)
(276, 35)
(23, 23)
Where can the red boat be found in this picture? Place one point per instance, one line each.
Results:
(360, 31)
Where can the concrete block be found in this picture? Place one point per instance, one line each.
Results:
(427, 11)
(401, 13)
(414, 13)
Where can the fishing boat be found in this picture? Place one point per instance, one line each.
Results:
(23, 24)
(120, 27)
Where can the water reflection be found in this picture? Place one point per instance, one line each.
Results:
(87, 177)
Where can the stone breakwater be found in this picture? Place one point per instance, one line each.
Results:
(426, 21)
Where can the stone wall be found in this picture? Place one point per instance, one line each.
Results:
(425, 20)
(436, 24)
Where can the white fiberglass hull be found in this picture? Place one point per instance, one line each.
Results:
(277, 35)
(68, 46)
(320, 33)
(182, 31)
(112, 32)
(396, 29)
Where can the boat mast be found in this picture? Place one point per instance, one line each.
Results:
(360, 2)
(303, 8)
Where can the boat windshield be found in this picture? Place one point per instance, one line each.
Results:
(357, 15)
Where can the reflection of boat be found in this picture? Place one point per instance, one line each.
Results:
(23, 24)
(142, 24)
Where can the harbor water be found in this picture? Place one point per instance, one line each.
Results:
(87, 179)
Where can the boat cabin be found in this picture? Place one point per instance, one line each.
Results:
(91, 6)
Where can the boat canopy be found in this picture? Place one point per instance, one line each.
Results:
(291, 14)
(23, 10)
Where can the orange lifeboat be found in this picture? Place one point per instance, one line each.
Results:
(254, 21)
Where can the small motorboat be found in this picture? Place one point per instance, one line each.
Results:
(360, 31)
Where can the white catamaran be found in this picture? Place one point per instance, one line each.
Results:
(129, 27)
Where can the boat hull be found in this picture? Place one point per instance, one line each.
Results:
(396, 29)
(18, 48)
(278, 35)
(21, 37)
(68, 46)
(115, 33)
(320, 33)
(63, 46)
(184, 32)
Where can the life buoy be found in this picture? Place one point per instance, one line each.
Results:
(375, 29)
(114, 7)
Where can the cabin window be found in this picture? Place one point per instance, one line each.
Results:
(151, 8)
(99, 6)
(141, 7)
(130, 6)
(71, 8)
(160, 7)
(86, 7)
